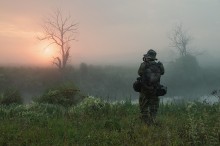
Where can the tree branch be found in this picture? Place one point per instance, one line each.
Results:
(59, 31)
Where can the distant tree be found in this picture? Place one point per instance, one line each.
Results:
(83, 68)
(59, 30)
(180, 40)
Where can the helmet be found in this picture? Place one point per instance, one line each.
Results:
(151, 54)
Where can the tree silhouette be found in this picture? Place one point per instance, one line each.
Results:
(59, 30)
(180, 40)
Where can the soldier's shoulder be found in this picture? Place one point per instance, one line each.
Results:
(143, 63)
(159, 63)
(141, 68)
(152, 63)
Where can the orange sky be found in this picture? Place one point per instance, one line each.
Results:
(109, 32)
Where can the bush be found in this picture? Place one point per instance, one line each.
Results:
(65, 95)
(90, 105)
(11, 96)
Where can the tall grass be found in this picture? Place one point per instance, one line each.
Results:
(95, 122)
(65, 95)
(10, 96)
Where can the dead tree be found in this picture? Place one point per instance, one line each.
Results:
(59, 30)
(180, 40)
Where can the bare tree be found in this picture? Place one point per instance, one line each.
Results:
(180, 40)
(59, 30)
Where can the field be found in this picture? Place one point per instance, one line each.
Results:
(45, 114)
(96, 122)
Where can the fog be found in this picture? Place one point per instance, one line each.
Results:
(184, 78)
(111, 41)
(123, 30)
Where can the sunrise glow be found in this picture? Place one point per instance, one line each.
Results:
(106, 30)
(49, 51)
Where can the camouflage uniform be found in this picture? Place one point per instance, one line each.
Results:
(148, 100)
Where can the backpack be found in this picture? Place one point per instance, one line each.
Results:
(137, 85)
(151, 75)
(161, 90)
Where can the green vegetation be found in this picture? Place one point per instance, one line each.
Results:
(95, 122)
(111, 81)
(65, 95)
(10, 96)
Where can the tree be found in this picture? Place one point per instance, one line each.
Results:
(180, 40)
(59, 30)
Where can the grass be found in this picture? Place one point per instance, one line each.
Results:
(95, 122)
(10, 96)
(65, 95)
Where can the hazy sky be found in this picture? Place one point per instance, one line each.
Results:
(110, 31)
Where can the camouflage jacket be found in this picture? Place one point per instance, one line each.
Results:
(146, 64)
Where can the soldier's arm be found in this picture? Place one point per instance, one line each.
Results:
(161, 68)
(141, 69)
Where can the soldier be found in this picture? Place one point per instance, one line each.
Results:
(150, 72)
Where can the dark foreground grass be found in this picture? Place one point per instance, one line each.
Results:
(94, 122)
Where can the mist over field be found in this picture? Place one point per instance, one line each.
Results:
(55, 51)
(184, 78)
(68, 68)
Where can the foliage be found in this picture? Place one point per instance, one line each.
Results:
(65, 95)
(216, 93)
(112, 82)
(10, 96)
(184, 74)
(89, 104)
(96, 122)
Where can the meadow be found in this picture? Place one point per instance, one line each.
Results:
(42, 106)
(97, 122)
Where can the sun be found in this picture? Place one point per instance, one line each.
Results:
(49, 51)
(44, 54)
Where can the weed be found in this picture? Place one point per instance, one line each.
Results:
(10, 96)
(96, 122)
(65, 95)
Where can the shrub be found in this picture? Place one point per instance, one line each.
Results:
(92, 102)
(10, 96)
(89, 106)
(65, 95)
